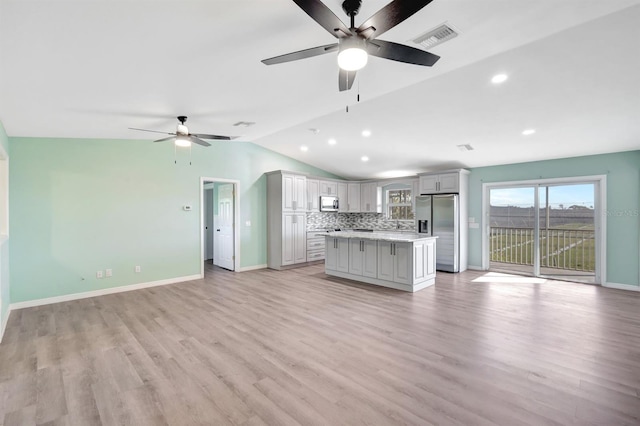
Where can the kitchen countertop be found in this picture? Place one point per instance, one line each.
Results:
(383, 236)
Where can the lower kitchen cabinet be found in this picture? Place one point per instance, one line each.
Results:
(404, 265)
(337, 254)
(294, 239)
(363, 257)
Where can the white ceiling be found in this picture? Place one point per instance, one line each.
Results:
(91, 69)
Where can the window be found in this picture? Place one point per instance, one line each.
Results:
(399, 204)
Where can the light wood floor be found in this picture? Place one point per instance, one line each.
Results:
(294, 347)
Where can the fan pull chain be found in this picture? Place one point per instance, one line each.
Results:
(175, 154)
(190, 153)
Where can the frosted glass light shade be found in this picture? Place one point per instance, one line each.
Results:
(182, 142)
(352, 58)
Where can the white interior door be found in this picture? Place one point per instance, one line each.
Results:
(224, 227)
(208, 224)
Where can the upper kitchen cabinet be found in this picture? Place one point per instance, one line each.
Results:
(343, 193)
(353, 197)
(442, 183)
(294, 192)
(370, 198)
(328, 187)
(313, 195)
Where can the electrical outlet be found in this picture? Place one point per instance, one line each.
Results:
(137, 269)
(99, 274)
(109, 273)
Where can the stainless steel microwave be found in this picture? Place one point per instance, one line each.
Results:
(329, 204)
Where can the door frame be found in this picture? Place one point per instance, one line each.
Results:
(236, 220)
(600, 207)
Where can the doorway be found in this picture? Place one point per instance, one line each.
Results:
(546, 228)
(219, 218)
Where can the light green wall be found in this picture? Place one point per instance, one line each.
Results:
(623, 202)
(83, 205)
(4, 253)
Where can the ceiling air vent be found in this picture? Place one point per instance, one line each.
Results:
(436, 36)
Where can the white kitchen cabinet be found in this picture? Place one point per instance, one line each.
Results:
(328, 187)
(286, 220)
(370, 198)
(294, 192)
(343, 202)
(313, 195)
(315, 246)
(294, 234)
(405, 262)
(363, 257)
(353, 197)
(337, 254)
(440, 183)
(394, 262)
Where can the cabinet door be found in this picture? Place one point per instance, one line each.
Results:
(343, 255)
(385, 260)
(448, 182)
(368, 197)
(331, 254)
(402, 263)
(370, 258)
(288, 192)
(300, 193)
(299, 238)
(428, 184)
(353, 197)
(313, 195)
(343, 201)
(288, 239)
(328, 188)
(356, 258)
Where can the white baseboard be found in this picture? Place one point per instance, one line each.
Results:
(475, 268)
(102, 292)
(252, 268)
(628, 287)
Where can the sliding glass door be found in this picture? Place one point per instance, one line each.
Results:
(546, 230)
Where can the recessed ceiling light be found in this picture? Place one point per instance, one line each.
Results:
(332, 141)
(499, 78)
(366, 133)
(529, 132)
(364, 158)
(304, 148)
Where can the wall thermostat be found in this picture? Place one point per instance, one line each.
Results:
(186, 208)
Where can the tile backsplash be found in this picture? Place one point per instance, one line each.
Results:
(355, 220)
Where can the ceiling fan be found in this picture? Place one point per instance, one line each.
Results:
(355, 44)
(182, 137)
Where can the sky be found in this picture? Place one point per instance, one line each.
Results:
(565, 195)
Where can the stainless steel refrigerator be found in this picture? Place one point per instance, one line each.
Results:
(439, 216)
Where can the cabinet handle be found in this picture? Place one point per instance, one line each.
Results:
(293, 205)
(309, 205)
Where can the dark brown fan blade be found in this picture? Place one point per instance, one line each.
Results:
(153, 131)
(198, 141)
(390, 16)
(165, 139)
(345, 79)
(324, 16)
(301, 54)
(401, 53)
(218, 137)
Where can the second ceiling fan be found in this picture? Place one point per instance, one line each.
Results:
(355, 44)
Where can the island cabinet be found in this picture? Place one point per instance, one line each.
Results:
(363, 257)
(394, 261)
(337, 254)
(401, 261)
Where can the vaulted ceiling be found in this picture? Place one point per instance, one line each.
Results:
(91, 69)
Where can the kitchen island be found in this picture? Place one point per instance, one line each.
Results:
(404, 261)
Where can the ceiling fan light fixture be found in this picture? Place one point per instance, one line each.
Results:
(353, 55)
(182, 142)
